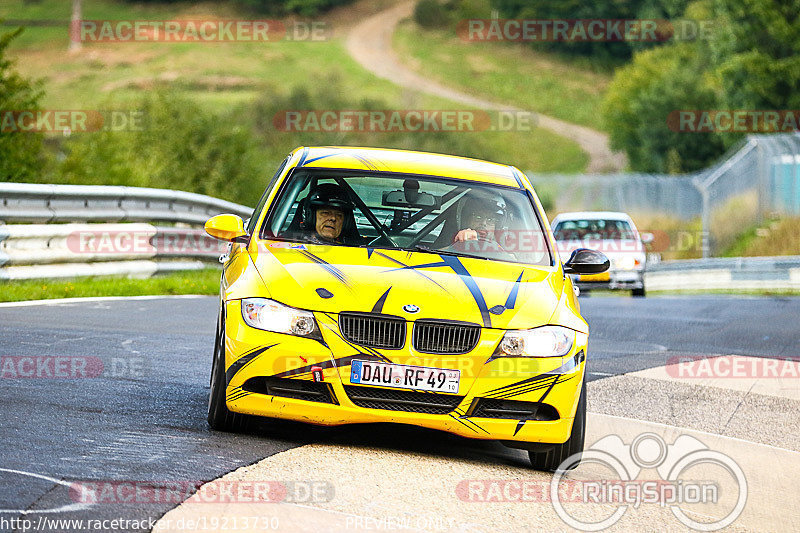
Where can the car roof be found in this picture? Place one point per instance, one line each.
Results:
(593, 215)
(408, 161)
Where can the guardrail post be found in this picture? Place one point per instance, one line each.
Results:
(706, 222)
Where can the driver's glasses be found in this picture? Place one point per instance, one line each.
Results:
(484, 219)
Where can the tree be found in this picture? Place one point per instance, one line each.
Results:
(641, 98)
(20, 152)
(597, 9)
(757, 53)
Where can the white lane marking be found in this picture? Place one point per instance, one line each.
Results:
(127, 345)
(708, 433)
(601, 374)
(56, 301)
(64, 508)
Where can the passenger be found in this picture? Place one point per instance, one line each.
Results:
(480, 215)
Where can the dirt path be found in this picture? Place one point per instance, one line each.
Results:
(370, 43)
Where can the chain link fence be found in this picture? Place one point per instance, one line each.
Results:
(758, 178)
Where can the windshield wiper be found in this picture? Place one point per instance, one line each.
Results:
(301, 238)
(423, 248)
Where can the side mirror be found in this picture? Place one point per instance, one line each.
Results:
(586, 261)
(647, 238)
(226, 228)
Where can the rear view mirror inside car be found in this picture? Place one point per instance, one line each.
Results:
(411, 198)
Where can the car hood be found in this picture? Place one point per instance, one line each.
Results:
(336, 278)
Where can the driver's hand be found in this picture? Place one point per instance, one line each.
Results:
(466, 235)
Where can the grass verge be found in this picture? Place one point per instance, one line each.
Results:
(775, 237)
(204, 281)
(505, 72)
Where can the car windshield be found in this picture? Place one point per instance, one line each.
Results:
(413, 213)
(612, 229)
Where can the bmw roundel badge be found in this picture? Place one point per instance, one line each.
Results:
(410, 308)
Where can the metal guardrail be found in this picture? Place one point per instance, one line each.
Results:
(729, 273)
(50, 249)
(42, 203)
(29, 251)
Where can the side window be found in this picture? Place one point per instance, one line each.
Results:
(251, 222)
(293, 217)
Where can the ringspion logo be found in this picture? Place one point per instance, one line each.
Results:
(676, 486)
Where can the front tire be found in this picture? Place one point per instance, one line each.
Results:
(551, 459)
(220, 417)
(638, 293)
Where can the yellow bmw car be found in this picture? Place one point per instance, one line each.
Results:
(376, 285)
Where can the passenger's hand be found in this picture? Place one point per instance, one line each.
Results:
(468, 234)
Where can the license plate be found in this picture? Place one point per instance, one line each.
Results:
(603, 276)
(404, 376)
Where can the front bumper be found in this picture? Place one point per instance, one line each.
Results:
(252, 355)
(621, 279)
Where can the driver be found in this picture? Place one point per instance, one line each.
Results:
(328, 212)
(480, 214)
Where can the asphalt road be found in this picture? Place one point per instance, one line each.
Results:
(139, 415)
(629, 334)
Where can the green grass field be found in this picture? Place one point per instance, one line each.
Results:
(222, 75)
(508, 73)
(195, 282)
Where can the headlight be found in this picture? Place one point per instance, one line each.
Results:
(546, 341)
(269, 315)
(626, 262)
